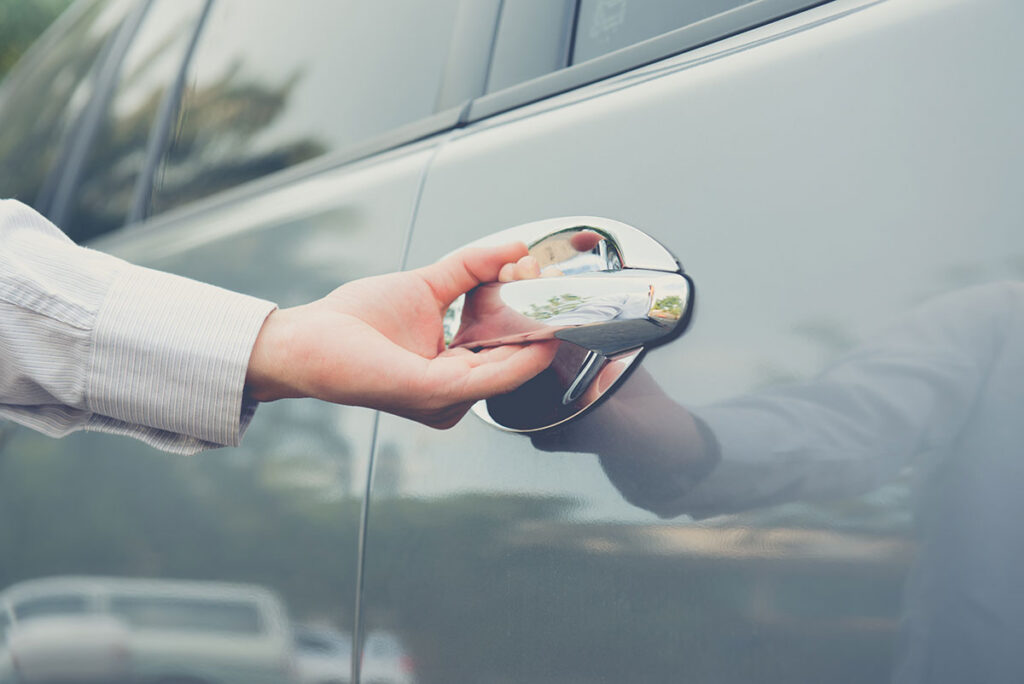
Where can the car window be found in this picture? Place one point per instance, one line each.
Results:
(271, 85)
(47, 91)
(103, 196)
(188, 615)
(52, 605)
(533, 39)
(5, 622)
(607, 25)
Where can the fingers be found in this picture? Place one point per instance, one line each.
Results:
(459, 378)
(526, 268)
(585, 241)
(502, 369)
(467, 268)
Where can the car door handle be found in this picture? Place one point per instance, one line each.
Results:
(607, 292)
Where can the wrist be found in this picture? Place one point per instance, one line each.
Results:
(267, 377)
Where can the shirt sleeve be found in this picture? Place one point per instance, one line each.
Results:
(900, 400)
(91, 342)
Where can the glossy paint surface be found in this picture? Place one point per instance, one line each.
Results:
(832, 446)
(819, 482)
(278, 517)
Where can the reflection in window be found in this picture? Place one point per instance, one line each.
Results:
(608, 25)
(188, 615)
(104, 195)
(50, 606)
(44, 96)
(270, 86)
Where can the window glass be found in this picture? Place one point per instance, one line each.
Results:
(5, 622)
(273, 84)
(46, 93)
(607, 25)
(188, 615)
(46, 606)
(118, 151)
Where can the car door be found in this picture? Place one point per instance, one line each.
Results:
(840, 185)
(278, 153)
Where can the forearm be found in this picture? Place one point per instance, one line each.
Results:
(91, 342)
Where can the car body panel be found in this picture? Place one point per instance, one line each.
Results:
(821, 177)
(283, 511)
(818, 178)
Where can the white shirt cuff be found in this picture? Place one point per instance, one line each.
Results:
(171, 354)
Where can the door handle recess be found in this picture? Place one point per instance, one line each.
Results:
(607, 292)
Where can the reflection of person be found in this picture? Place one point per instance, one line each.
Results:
(943, 391)
(88, 341)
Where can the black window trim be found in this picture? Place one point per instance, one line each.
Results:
(715, 28)
(68, 169)
(160, 132)
(403, 137)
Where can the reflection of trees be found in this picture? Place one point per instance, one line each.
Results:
(668, 307)
(108, 179)
(34, 124)
(556, 305)
(214, 148)
(137, 512)
(479, 587)
(507, 588)
(20, 23)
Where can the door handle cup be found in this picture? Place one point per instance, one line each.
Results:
(612, 293)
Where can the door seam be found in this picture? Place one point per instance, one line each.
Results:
(364, 514)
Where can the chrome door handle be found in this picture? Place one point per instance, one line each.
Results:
(606, 290)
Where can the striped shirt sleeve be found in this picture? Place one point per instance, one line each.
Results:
(91, 342)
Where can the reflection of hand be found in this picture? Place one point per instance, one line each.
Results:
(485, 316)
(650, 447)
(378, 342)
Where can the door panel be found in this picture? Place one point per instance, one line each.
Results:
(283, 510)
(823, 180)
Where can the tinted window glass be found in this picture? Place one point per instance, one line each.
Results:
(273, 84)
(607, 25)
(104, 195)
(45, 606)
(187, 615)
(46, 94)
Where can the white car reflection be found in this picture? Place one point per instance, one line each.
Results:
(323, 656)
(385, 660)
(88, 629)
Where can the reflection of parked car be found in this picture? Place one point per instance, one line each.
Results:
(88, 629)
(322, 655)
(818, 167)
(385, 660)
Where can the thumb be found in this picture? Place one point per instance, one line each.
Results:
(460, 272)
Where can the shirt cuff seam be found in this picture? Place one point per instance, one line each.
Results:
(172, 353)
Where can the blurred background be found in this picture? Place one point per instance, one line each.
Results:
(21, 22)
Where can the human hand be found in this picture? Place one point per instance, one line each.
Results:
(378, 342)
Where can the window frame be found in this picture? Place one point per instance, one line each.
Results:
(66, 174)
(463, 80)
(678, 41)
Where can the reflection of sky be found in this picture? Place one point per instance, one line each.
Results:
(363, 67)
(166, 24)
